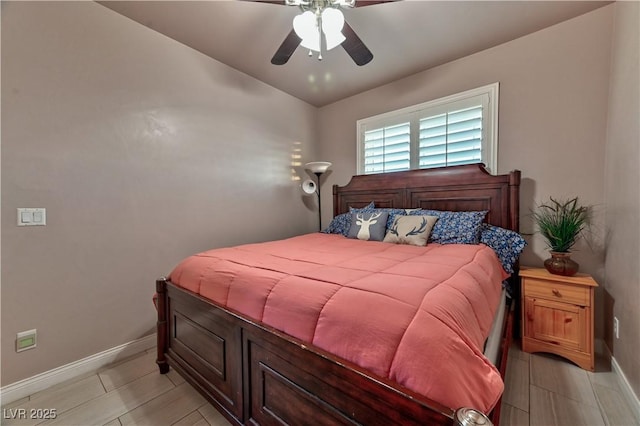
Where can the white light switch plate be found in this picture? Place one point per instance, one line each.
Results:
(32, 216)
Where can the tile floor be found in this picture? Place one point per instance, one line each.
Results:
(539, 390)
(546, 390)
(127, 393)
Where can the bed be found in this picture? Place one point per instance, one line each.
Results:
(284, 363)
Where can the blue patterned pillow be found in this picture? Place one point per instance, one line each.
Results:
(339, 225)
(506, 243)
(455, 227)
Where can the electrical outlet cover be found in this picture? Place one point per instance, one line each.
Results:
(26, 340)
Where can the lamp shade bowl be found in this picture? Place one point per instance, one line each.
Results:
(318, 166)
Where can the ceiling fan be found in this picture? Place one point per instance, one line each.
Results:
(321, 26)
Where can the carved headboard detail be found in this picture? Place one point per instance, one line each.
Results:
(457, 188)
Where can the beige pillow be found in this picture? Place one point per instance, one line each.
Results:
(414, 230)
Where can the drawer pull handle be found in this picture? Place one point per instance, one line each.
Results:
(555, 292)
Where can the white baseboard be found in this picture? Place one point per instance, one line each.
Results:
(626, 388)
(89, 364)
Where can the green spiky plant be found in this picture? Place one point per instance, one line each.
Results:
(561, 222)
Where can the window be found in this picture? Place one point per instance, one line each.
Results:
(457, 129)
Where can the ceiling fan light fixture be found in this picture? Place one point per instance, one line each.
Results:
(332, 23)
(306, 27)
(312, 43)
(320, 28)
(334, 40)
(345, 3)
(305, 24)
(310, 3)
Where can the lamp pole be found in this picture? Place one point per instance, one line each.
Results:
(318, 174)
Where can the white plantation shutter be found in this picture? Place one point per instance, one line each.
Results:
(387, 149)
(458, 129)
(451, 138)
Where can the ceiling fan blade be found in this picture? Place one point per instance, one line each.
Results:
(280, 2)
(361, 3)
(286, 49)
(360, 54)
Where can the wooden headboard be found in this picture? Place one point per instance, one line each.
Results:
(458, 188)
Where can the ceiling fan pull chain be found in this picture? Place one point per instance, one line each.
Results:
(319, 24)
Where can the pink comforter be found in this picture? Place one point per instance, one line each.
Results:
(416, 315)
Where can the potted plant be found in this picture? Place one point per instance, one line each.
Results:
(561, 222)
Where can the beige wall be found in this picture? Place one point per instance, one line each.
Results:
(622, 192)
(143, 151)
(553, 111)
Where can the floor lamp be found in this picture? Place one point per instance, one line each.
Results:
(309, 186)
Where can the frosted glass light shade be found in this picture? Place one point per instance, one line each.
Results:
(334, 39)
(305, 24)
(311, 43)
(318, 166)
(306, 27)
(332, 23)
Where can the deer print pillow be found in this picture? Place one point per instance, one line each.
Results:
(368, 226)
(414, 230)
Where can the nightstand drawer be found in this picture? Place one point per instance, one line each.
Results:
(561, 292)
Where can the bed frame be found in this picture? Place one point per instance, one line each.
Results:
(254, 374)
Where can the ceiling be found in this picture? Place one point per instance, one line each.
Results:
(405, 37)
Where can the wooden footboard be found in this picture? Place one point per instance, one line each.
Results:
(204, 344)
(254, 374)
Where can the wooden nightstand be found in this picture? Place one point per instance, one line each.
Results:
(557, 315)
